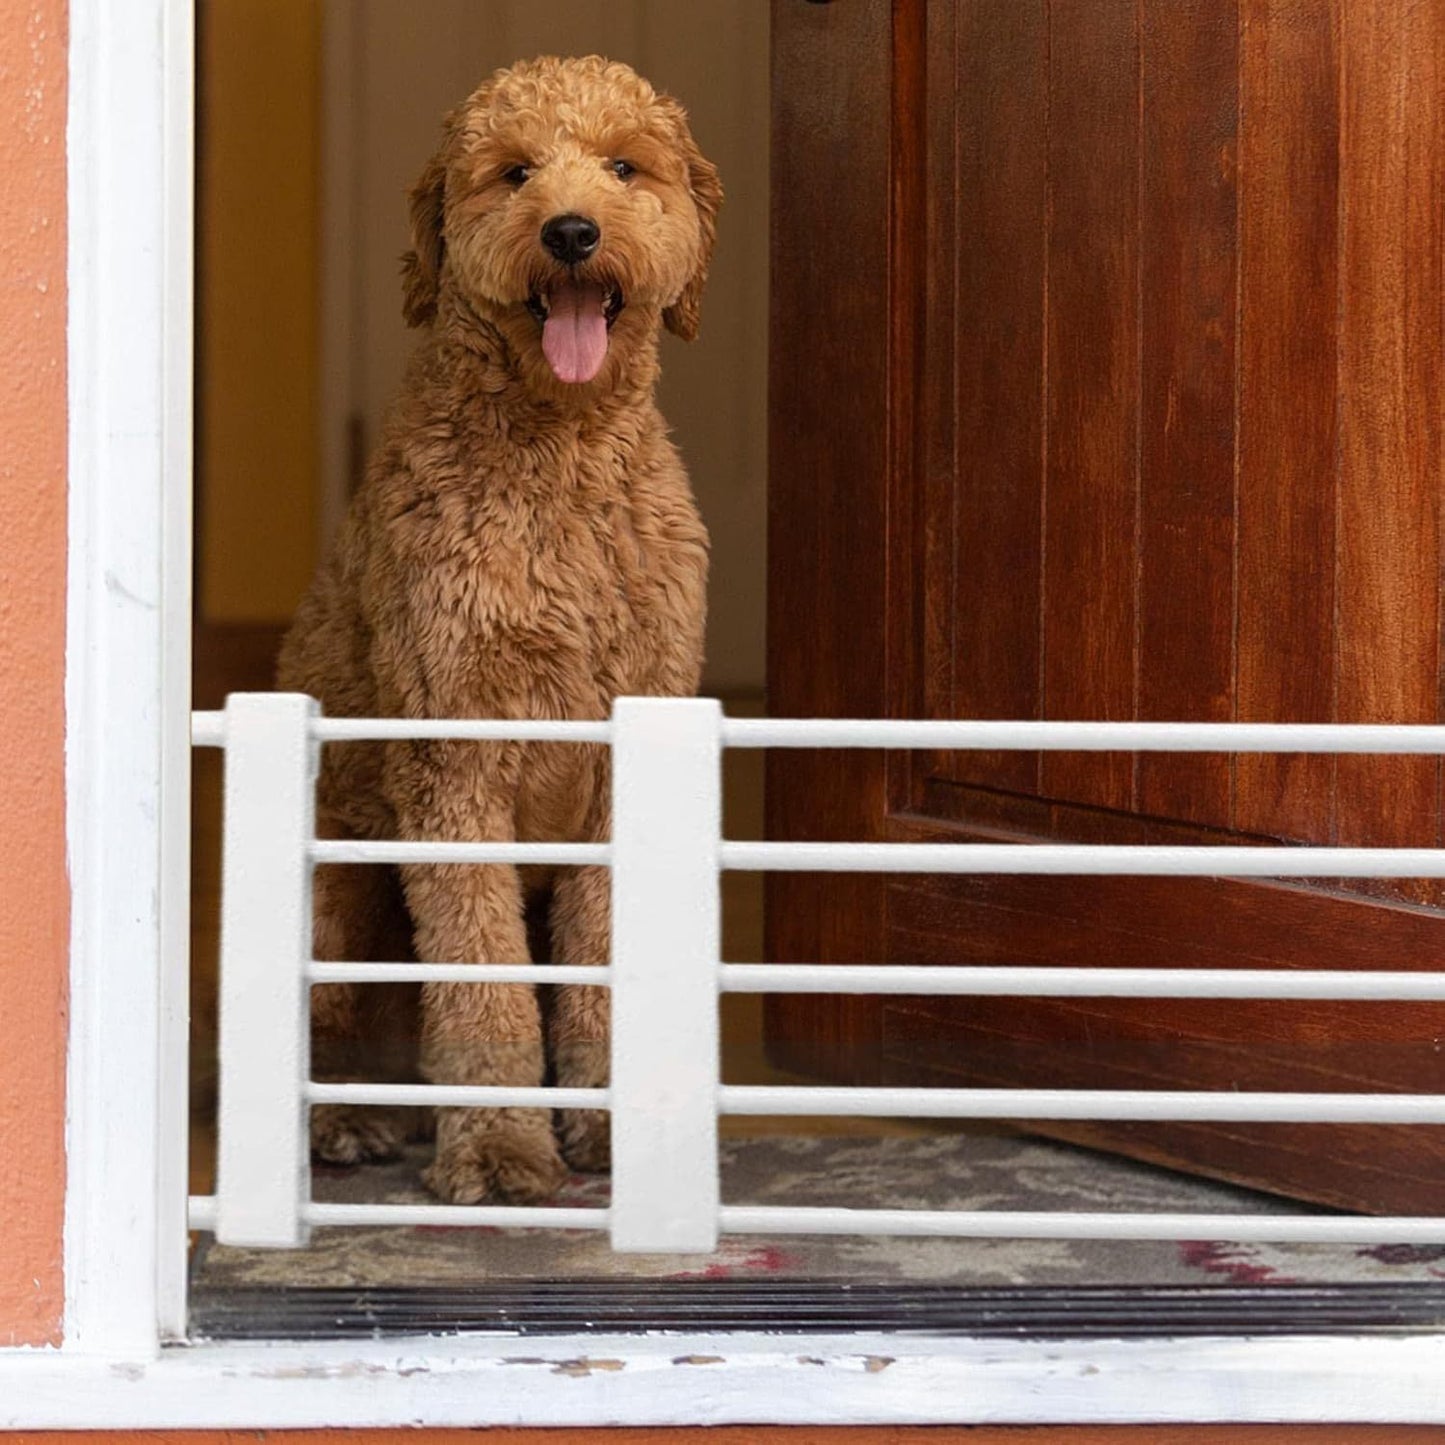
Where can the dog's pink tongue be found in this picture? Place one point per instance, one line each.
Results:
(574, 336)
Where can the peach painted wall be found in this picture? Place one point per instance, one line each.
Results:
(34, 898)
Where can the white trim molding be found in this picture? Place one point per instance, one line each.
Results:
(717, 1380)
(127, 660)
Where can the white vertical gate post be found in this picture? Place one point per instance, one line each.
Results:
(264, 1169)
(666, 830)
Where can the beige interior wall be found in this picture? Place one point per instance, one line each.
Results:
(256, 346)
(403, 64)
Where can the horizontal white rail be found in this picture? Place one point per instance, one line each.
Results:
(990, 980)
(1170, 737)
(1009, 981)
(457, 1096)
(201, 1213)
(550, 973)
(450, 1216)
(1219, 1106)
(1074, 859)
(914, 1223)
(353, 850)
(208, 730)
(466, 730)
(1034, 1224)
(1216, 1107)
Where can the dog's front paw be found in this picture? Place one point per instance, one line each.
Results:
(504, 1155)
(586, 1137)
(342, 1134)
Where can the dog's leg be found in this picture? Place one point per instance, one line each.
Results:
(360, 1033)
(481, 1033)
(578, 1023)
(474, 1033)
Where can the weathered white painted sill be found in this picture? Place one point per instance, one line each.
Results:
(718, 1379)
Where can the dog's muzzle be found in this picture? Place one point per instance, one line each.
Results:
(575, 312)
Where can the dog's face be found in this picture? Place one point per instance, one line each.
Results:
(572, 209)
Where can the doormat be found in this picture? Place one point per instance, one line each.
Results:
(965, 1171)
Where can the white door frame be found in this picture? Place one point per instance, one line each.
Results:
(127, 693)
(129, 212)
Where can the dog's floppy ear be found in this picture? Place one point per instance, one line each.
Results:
(683, 317)
(421, 266)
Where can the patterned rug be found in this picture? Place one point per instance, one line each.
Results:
(969, 1171)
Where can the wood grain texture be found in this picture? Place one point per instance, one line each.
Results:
(1189, 101)
(1390, 399)
(1288, 426)
(910, 604)
(996, 107)
(1091, 467)
(935, 528)
(830, 401)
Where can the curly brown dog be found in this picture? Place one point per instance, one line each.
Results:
(525, 545)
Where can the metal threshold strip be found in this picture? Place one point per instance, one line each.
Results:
(578, 1306)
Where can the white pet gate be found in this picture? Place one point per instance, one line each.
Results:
(665, 1094)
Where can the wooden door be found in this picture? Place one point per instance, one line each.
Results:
(1106, 383)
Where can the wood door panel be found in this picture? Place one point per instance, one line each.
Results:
(1390, 386)
(1289, 306)
(1153, 922)
(1179, 1044)
(992, 485)
(1091, 406)
(827, 508)
(1189, 101)
(1132, 409)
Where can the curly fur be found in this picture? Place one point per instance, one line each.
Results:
(521, 547)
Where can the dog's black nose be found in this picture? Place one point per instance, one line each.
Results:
(571, 238)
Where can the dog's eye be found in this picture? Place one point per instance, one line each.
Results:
(517, 175)
(622, 169)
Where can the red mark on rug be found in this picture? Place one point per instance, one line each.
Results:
(1237, 1261)
(761, 1259)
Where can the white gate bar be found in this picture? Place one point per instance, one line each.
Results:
(456, 1096)
(938, 1223)
(201, 1212)
(264, 1168)
(1075, 859)
(202, 1209)
(1180, 737)
(451, 1216)
(1035, 1224)
(357, 850)
(1218, 1106)
(545, 730)
(327, 972)
(666, 823)
(208, 729)
(1082, 981)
